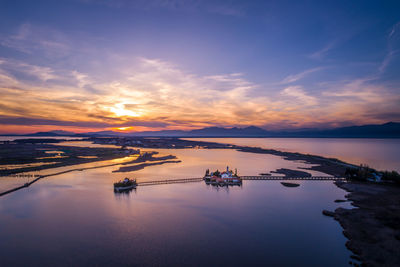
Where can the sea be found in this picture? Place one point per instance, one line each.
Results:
(76, 218)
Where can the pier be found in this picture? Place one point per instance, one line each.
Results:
(310, 178)
(183, 180)
(255, 177)
(20, 175)
(170, 181)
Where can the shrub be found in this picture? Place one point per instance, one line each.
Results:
(391, 176)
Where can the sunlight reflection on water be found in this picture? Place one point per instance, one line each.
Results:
(175, 224)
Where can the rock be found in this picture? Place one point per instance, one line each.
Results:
(328, 213)
(340, 200)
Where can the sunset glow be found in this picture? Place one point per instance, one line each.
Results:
(59, 75)
(153, 132)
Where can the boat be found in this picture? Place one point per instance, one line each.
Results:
(290, 184)
(124, 185)
(218, 178)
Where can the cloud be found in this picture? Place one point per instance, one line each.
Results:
(299, 76)
(85, 124)
(30, 39)
(392, 47)
(215, 7)
(298, 93)
(320, 54)
(394, 30)
(153, 89)
(152, 94)
(38, 72)
(226, 10)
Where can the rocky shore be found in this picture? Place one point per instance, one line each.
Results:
(373, 226)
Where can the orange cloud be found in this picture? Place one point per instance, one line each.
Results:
(154, 95)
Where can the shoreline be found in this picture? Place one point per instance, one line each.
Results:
(331, 166)
(322, 164)
(146, 160)
(34, 153)
(373, 226)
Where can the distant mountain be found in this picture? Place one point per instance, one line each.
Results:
(53, 133)
(251, 131)
(387, 130)
(103, 133)
(164, 133)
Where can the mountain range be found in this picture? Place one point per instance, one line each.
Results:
(387, 130)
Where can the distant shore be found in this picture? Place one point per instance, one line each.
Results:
(31, 157)
(28, 151)
(330, 166)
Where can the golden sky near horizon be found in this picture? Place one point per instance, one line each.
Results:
(180, 65)
(157, 95)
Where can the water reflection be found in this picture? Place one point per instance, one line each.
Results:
(124, 193)
(378, 153)
(77, 219)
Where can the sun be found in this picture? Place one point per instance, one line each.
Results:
(120, 111)
(124, 128)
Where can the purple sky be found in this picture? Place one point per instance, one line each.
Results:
(92, 65)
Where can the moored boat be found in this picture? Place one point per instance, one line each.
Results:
(124, 185)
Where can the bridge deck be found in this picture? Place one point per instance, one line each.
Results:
(259, 177)
(170, 181)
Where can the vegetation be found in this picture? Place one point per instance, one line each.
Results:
(364, 172)
(391, 176)
(217, 173)
(125, 183)
(361, 173)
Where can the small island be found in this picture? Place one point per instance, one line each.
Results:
(224, 178)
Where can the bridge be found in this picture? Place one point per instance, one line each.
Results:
(20, 175)
(312, 178)
(170, 181)
(182, 180)
(256, 177)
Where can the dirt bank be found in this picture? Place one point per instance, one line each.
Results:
(373, 227)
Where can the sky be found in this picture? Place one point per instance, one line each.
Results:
(95, 65)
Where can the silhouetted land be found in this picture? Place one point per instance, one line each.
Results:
(33, 151)
(330, 166)
(38, 153)
(143, 165)
(292, 173)
(386, 130)
(373, 228)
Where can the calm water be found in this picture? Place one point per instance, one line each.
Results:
(382, 154)
(76, 219)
